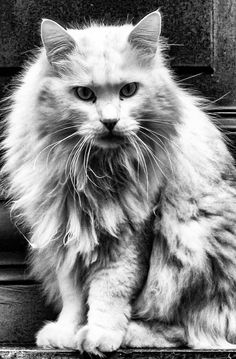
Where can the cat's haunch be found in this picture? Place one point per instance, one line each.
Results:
(128, 191)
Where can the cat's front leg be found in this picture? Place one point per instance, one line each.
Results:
(109, 297)
(106, 328)
(61, 333)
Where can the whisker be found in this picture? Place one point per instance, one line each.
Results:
(190, 77)
(59, 142)
(220, 98)
(162, 146)
(169, 140)
(151, 154)
(161, 135)
(134, 144)
(143, 162)
(148, 136)
(157, 121)
(99, 177)
(52, 145)
(88, 145)
(156, 159)
(63, 129)
(86, 161)
(74, 176)
(150, 159)
(86, 158)
(67, 169)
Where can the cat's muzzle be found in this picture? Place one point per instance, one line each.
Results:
(110, 139)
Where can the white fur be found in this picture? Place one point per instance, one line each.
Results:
(143, 221)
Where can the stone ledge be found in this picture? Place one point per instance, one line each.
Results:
(36, 353)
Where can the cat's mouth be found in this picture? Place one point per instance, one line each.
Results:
(109, 140)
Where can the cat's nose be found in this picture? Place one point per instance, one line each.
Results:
(109, 123)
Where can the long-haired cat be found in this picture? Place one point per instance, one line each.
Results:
(128, 191)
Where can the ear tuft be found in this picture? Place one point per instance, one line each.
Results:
(56, 40)
(145, 34)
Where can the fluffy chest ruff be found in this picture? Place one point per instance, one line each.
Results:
(109, 198)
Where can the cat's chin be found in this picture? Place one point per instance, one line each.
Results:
(109, 141)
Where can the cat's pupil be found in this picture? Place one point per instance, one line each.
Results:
(127, 88)
(86, 92)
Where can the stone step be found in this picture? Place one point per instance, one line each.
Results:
(22, 312)
(35, 353)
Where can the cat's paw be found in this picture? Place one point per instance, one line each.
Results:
(96, 339)
(56, 335)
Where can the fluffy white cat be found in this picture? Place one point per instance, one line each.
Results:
(128, 192)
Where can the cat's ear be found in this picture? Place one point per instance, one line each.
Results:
(56, 40)
(144, 36)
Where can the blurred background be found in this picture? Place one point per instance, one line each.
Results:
(201, 34)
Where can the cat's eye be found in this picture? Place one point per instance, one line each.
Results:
(128, 90)
(85, 93)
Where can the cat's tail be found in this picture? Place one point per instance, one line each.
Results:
(219, 332)
(152, 334)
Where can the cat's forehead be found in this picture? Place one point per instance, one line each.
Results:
(104, 49)
(98, 38)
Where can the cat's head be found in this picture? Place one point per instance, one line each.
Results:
(102, 80)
